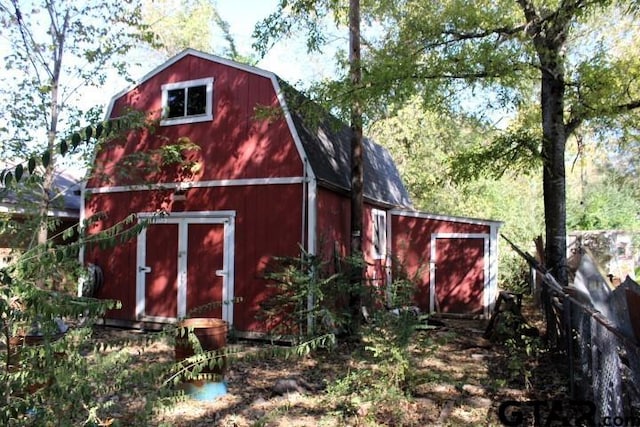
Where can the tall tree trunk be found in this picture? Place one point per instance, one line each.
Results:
(58, 33)
(357, 175)
(549, 37)
(553, 152)
(549, 42)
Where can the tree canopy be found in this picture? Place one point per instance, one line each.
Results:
(182, 24)
(549, 66)
(58, 51)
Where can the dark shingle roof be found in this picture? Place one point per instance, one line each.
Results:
(327, 143)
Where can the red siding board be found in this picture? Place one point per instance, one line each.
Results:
(120, 262)
(116, 264)
(234, 145)
(334, 212)
(268, 224)
(411, 246)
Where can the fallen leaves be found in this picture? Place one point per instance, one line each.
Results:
(458, 379)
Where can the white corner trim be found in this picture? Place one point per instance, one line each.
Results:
(311, 201)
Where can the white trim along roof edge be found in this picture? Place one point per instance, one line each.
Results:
(451, 218)
(178, 57)
(248, 68)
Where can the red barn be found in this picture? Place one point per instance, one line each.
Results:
(258, 188)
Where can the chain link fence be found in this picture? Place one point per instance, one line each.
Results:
(603, 364)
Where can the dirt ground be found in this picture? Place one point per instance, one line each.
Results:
(459, 379)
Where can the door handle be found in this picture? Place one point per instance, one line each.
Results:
(221, 273)
(144, 269)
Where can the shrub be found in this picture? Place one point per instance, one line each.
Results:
(306, 298)
(51, 375)
(379, 388)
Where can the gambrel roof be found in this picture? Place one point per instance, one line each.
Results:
(327, 144)
(324, 141)
(329, 152)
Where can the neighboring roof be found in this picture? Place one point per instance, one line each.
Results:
(325, 141)
(66, 198)
(69, 188)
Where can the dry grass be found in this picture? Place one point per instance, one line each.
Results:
(459, 379)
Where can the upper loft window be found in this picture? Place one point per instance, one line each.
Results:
(187, 102)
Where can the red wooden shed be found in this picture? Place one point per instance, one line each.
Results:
(258, 188)
(453, 260)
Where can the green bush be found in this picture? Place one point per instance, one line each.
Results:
(49, 376)
(382, 381)
(380, 387)
(306, 297)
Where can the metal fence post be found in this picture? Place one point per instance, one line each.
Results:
(568, 339)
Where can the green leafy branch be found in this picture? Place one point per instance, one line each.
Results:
(112, 128)
(191, 367)
(518, 151)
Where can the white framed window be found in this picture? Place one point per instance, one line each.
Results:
(187, 102)
(379, 235)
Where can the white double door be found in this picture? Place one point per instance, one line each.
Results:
(185, 266)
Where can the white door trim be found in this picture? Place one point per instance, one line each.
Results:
(183, 219)
(433, 270)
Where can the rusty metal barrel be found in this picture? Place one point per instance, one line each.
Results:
(211, 333)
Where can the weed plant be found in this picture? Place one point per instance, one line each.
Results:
(377, 386)
(522, 346)
(308, 297)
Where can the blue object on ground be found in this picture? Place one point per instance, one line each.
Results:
(205, 390)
